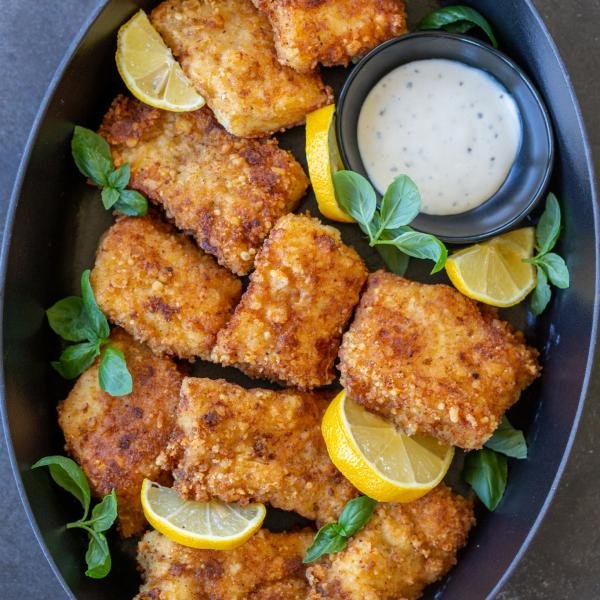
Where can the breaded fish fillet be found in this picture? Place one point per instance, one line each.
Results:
(255, 446)
(226, 48)
(228, 192)
(330, 32)
(289, 323)
(267, 567)
(403, 549)
(116, 440)
(433, 361)
(163, 290)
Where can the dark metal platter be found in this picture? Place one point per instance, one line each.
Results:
(54, 224)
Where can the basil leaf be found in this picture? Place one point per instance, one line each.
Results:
(400, 204)
(422, 245)
(119, 178)
(486, 472)
(110, 196)
(132, 204)
(555, 268)
(356, 196)
(68, 318)
(104, 513)
(114, 376)
(395, 260)
(548, 227)
(97, 556)
(355, 515)
(458, 27)
(541, 294)
(508, 441)
(91, 154)
(445, 17)
(97, 319)
(327, 541)
(75, 359)
(67, 474)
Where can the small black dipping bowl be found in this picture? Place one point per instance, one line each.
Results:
(527, 178)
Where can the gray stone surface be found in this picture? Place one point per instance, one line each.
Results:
(563, 562)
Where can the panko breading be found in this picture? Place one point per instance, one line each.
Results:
(226, 49)
(228, 192)
(403, 549)
(255, 446)
(330, 32)
(116, 440)
(267, 567)
(163, 290)
(289, 322)
(433, 361)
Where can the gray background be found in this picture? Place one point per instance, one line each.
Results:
(563, 561)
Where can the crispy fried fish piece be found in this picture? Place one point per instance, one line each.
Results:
(289, 323)
(402, 549)
(116, 440)
(330, 32)
(226, 49)
(227, 191)
(433, 361)
(267, 567)
(254, 446)
(161, 288)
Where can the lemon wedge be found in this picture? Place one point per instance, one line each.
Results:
(493, 272)
(210, 525)
(379, 460)
(149, 70)
(323, 159)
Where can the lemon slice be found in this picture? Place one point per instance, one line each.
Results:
(149, 70)
(494, 272)
(323, 159)
(379, 460)
(210, 525)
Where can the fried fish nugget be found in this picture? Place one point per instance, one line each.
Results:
(289, 322)
(228, 192)
(161, 288)
(255, 446)
(267, 567)
(403, 549)
(116, 440)
(226, 48)
(433, 361)
(330, 32)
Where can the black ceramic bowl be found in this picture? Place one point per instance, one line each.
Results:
(53, 227)
(530, 173)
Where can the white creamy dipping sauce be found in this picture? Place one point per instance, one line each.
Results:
(451, 128)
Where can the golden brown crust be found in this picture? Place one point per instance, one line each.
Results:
(289, 323)
(116, 439)
(330, 32)
(227, 191)
(402, 549)
(267, 567)
(255, 446)
(226, 49)
(161, 288)
(432, 361)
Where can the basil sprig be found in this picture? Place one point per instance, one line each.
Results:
(79, 319)
(387, 225)
(93, 158)
(550, 266)
(67, 474)
(486, 470)
(458, 19)
(333, 537)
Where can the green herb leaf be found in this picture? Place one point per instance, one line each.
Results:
(110, 196)
(548, 227)
(327, 541)
(96, 317)
(447, 17)
(508, 440)
(539, 298)
(421, 245)
(395, 260)
(97, 556)
(91, 154)
(75, 359)
(132, 204)
(458, 27)
(486, 472)
(67, 474)
(356, 196)
(555, 268)
(104, 513)
(114, 376)
(68, 318)
(119, 178)
(355, 515)
(400, 204)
